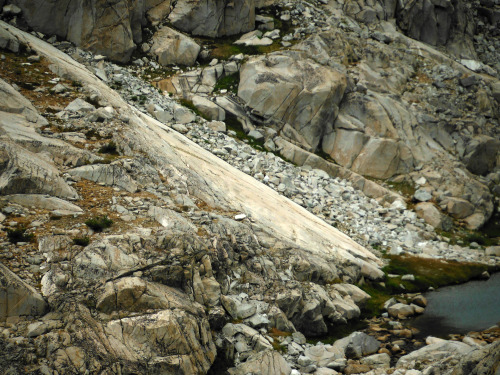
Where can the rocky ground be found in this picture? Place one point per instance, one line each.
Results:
(129, 248)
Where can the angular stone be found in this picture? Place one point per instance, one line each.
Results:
(211, 110)
(18, 298)
(401, 311)
(291, 89)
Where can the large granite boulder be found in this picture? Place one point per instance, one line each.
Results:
(289, 88)
(106, 27)
(214, 18)
(171, 47)
(365, 136)
(446, 22)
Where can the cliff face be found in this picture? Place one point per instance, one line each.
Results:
(143, 236)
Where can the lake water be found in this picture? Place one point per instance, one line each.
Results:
(472, 306)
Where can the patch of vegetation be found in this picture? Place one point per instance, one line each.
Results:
(466, 237)
(478, 238)
(379, 295)
(81, 241)
(19, 235)
(427, 272)
(229, 83)
(98, 224)
(430, 272)
(234, 124)
(276, 334)
(403, 187)
(109, 148)
(92, 133)
(76, 84)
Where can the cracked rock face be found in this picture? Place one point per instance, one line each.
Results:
(288, 88)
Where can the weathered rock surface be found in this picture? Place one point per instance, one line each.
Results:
(170, 47)
(103, 27)
(287, 88)
(214, 18)
(108, 174)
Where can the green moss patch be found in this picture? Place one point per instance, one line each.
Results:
(229, 83)
(430, 272)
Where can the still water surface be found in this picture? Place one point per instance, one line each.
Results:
(472, 306)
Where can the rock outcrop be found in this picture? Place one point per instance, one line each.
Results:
(114, 28)
(288, 88)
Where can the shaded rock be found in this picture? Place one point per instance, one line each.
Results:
(493, 251)
(422, 195)
(215, 18)
(359, 296)
(111, 31)
(18, 298)
(209, 108)
(480, 362)
(79, 105)
(156, 336)
(459, 208)
(25, 172)
(135, 294)
(11, 101)
(433, 216)
(481, 155)
(170, 47)
(382, 360)
(357, 345)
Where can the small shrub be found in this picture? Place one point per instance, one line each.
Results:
(98, 224)
(19, 235)
(81, 241)
(109, 148)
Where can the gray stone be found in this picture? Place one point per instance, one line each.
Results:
(170, 47)
(401, 311)
(18, 298)
(422, 195)
(79, 105)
